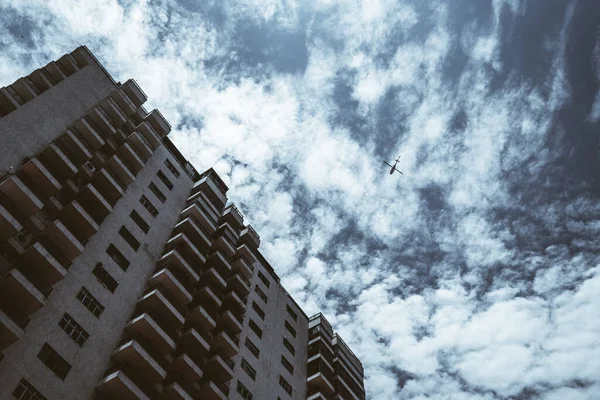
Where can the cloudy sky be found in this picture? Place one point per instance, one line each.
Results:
(476, 274)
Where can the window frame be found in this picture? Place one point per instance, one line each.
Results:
(114, 283)
(73, 329)
(91, 300)
(139, 221)
(157, 193)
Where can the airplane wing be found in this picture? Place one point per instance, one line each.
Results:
(385, 162)
(395, 169)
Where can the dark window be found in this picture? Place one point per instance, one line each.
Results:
(159, 195)
(264, 279)
(261, 294)
(172, 168)
(291, 312)
(258, 310)
(104, 278)
(117, 256)
(248, 369)
(25, 391)
(148, 206)
(290, 328)
(289, 346)
(139, 221)
(54, 361)
(243, 391)
(288, 365)
(73, 329)
(90, 302)
(255, 328)
(129, 238)
(252, 347)
(164, 179)
(285, 385)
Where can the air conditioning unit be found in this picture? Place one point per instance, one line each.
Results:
(24, 238)
(90, 166)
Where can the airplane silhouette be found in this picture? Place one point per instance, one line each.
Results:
(394, 166)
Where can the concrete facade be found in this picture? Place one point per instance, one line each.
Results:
(186, 307)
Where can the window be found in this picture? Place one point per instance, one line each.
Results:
(90, 302)
(291, 313)
(139, 221)
(243, 391)
(252, 347)
(289, 346)
(25, 391)
(261, 294)
(159, 195)
(288, 365)
(129, 238)
(164, 179)
(104, 278)
(255, 328)
(258, 310)
(54, 361)
(172, 168)
(73, 329)
(248, 369)
(117, 256)
(264, 279)
(285, 385)
(290, 328)
(148, 206)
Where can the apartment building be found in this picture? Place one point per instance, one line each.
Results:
(125, 273)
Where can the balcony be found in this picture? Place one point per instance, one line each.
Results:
(212, 275)
(24, 89)
(239, 283)
(152, 367)
(18, 192)
(214, 391)
(317, 396)
(226, 344)
(149, 134)
(112, 190)
(60, 159)
(320, 377)
(120, 169)
(169, 281)
(9, 225)
(201, 213)
(225, 243)
(67, 62)
(10, 331)
(192, 230)
(202, 317)
(64, 239)
(220, 366)
(213, 187)
(208, 295)
(242, 266)
(250, 237)
(157, 300)
(89, 133)
(247, 253)
(80, 221)
(134, 92)
(186, 249)
(175, 391)
(233, 216)
(159, 123)
(217, 260)
(186, 367)
(40, 80)
(116, 384)
(194, 343)
(75, 145)
(16, 288)
(141, 145)
(94, 203)
(231, 320)
(131, 157)
(114, 111)
(39, 175)
(172, 259)
(235, 302)
(38, 261)
(147, 327)
(102, 121)
(55, 71)
(123, 100)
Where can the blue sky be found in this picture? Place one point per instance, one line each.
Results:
(475, 275)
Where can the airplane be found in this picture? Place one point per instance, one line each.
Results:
(394, 166)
